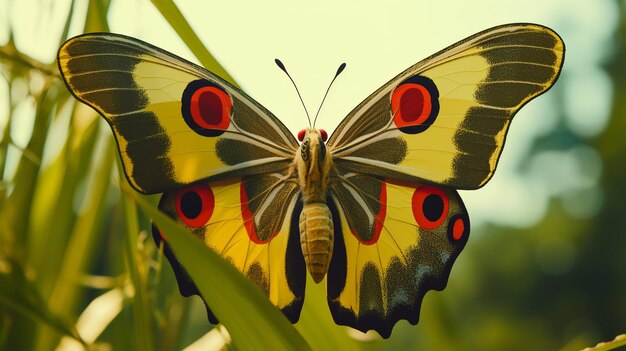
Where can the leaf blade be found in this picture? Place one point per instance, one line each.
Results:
(19, 295)
(175, 18)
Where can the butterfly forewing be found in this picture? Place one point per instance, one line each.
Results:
(444, 119)
(175, 122)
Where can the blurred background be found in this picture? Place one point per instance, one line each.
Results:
(543, 270)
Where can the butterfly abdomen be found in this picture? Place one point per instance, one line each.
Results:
(316, 238)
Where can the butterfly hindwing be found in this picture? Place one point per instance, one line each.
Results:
(444, 120)
(175, 122)
(381, 270)
(254, 227)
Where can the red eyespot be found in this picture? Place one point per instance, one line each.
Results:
(324, 134)
(458, 228)
(411, 104)
(301, 134)
(194, 205)
(206, 108)
(430, 206)
(415, 105)
(210, 108)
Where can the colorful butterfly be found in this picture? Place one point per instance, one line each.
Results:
(374, 208)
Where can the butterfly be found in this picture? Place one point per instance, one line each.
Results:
(373, 209)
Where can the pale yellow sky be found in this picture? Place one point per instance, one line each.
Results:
(377, 40)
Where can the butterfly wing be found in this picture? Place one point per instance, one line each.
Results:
(418, 232)
(175, 122)
(253, 223)
(439, 125)
(444, 120)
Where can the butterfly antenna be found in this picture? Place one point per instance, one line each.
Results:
(282, 67)
(339, 70)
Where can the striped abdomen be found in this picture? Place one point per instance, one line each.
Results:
(316, 238)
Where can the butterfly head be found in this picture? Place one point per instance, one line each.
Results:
(313, 144)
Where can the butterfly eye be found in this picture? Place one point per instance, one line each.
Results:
(324, 134)
(301, 134)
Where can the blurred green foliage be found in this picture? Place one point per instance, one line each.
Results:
(72, 242)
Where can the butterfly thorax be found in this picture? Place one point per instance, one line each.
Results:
(313, 164)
